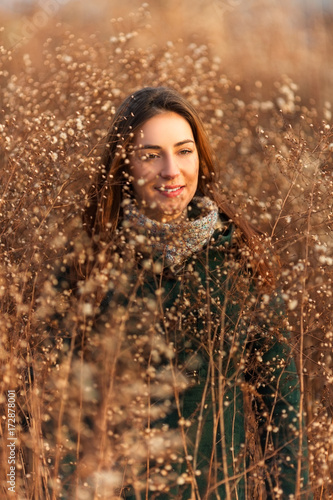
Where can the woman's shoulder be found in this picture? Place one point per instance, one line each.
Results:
(226, 233)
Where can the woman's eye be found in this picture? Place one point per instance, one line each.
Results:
(185, 151)
(148, 156)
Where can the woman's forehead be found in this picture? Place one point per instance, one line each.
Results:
(164, 128)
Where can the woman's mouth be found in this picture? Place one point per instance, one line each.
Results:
(170, 191)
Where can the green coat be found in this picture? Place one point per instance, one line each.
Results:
(238, 418)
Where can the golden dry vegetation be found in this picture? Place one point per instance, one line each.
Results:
(260, 75)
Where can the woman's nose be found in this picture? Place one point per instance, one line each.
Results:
(170, 168)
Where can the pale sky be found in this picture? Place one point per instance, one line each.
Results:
(16, 4)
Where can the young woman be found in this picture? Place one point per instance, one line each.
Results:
(186, 294)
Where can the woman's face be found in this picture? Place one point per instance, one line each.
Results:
(164, 167)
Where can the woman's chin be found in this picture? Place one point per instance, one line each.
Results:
(164, 213)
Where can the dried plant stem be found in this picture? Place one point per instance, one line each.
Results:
(286, 198)
(66, 370)
(301, 342)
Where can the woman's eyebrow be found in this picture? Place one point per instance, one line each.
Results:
(152, 146)
(149, 146)
(184, 142)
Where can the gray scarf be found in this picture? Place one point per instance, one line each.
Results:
(179, 239)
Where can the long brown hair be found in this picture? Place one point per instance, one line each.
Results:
(103, 211)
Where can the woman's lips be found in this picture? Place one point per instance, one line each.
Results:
(170, 191)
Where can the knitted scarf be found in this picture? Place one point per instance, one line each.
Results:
(177, 240)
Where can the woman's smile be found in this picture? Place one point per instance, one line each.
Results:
(165, 166)
(170, 191)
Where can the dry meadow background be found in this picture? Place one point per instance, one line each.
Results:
(261, 74)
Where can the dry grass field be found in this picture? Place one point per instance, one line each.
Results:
(261, 75)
